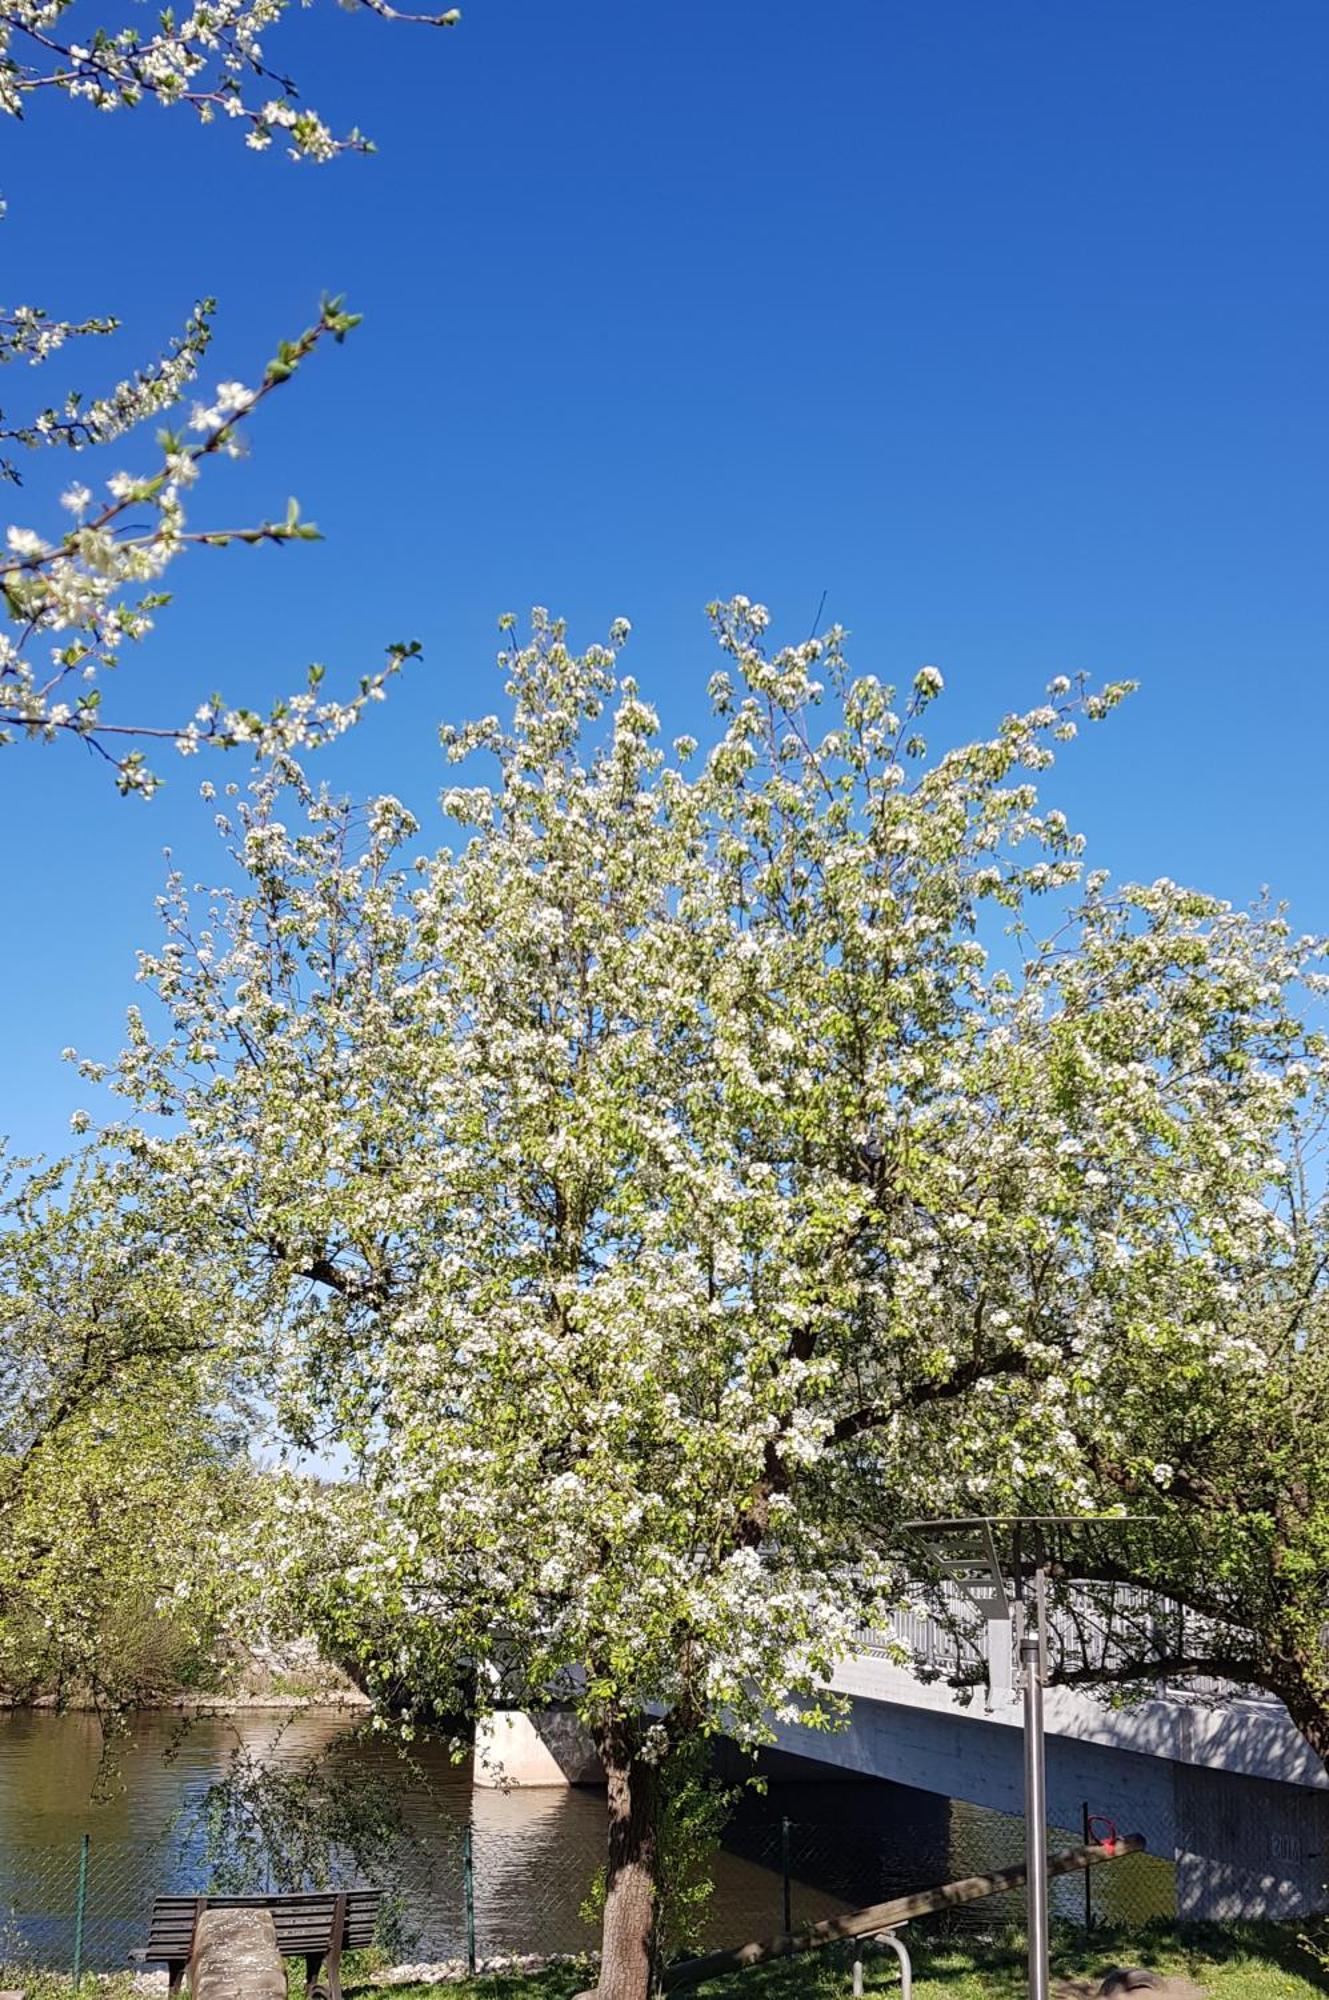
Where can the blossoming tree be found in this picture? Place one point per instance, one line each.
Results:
(663, 1191)
(210, 59)
(75, 595)
(1181, 1048)
(1211, 1417)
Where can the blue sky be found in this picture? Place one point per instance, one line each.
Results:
(1004, 326)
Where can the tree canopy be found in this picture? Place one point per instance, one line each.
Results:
(1215, 1426)
(702, 1164)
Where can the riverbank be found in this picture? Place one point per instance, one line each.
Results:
(1220, 1961)
(292, 1674)
(349, 1699)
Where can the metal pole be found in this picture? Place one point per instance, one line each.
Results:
(1088, 1885)
(1035, 1798)
(784, 1871)
(468, 1892)
(80, 1908)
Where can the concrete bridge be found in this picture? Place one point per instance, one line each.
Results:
(1219, 1783)
(1222, 1785)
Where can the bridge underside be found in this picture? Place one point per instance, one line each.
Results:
(1236, 1845)
(1242, 1846)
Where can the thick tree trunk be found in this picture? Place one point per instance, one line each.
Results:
(627, 1952)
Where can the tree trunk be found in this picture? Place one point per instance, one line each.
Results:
(1306, 1698)
(627, 1951)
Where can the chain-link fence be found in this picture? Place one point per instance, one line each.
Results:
(854, 1866)
(520, 1884)
(80, 1907)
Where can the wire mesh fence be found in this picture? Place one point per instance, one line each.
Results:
(857, 1868)
(78, 1907)
(499, 1891)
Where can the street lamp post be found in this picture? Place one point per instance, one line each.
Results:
(964, 1553)
(1033, 1673)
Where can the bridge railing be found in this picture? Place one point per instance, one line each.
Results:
(1103, 1627)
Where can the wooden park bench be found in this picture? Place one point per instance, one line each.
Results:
(317, 1926)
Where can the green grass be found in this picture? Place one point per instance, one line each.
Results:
(37, 1985)
(1229, 1961)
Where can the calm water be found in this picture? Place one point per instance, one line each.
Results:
(536, 1851)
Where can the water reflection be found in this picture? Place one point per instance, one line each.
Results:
(536, 1851)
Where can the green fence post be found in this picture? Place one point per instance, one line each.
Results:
(80, 1907)
(784, 1871)
(468, 1892)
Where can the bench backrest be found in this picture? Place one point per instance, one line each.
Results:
(304, 1922)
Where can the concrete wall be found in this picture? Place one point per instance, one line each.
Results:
(969, 1757)
(1252, 1737)
(546, 1747)
(1249, 1848)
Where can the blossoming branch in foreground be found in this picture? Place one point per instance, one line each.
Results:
(93, 588)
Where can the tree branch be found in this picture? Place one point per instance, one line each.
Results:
(1006, 1361)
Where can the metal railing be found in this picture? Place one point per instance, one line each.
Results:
(1103, 1627)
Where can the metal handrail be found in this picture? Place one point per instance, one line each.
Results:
(1084, 1634)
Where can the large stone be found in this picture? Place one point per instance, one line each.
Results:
(236, 1957)
(1122, 1980)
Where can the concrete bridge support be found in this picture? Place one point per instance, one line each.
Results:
(1247, 1847)
(1242, 1845)
(543, 1747)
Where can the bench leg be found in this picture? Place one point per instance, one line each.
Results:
(313, 1966)
(200, 1905)
(334, 1949)
(175, 1972)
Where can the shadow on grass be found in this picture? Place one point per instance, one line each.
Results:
(556, 1982)
(1191, 1948)
(1238, 1961)
(1243, 1961)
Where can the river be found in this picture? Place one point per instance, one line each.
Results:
(536, 1852)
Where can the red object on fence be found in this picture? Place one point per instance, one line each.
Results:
(1106, 1838)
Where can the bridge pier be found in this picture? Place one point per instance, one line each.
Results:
(518, 1748)
(1248, 1847)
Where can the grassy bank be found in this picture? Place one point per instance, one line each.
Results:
(1229, 1962)
(1225, 1961)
